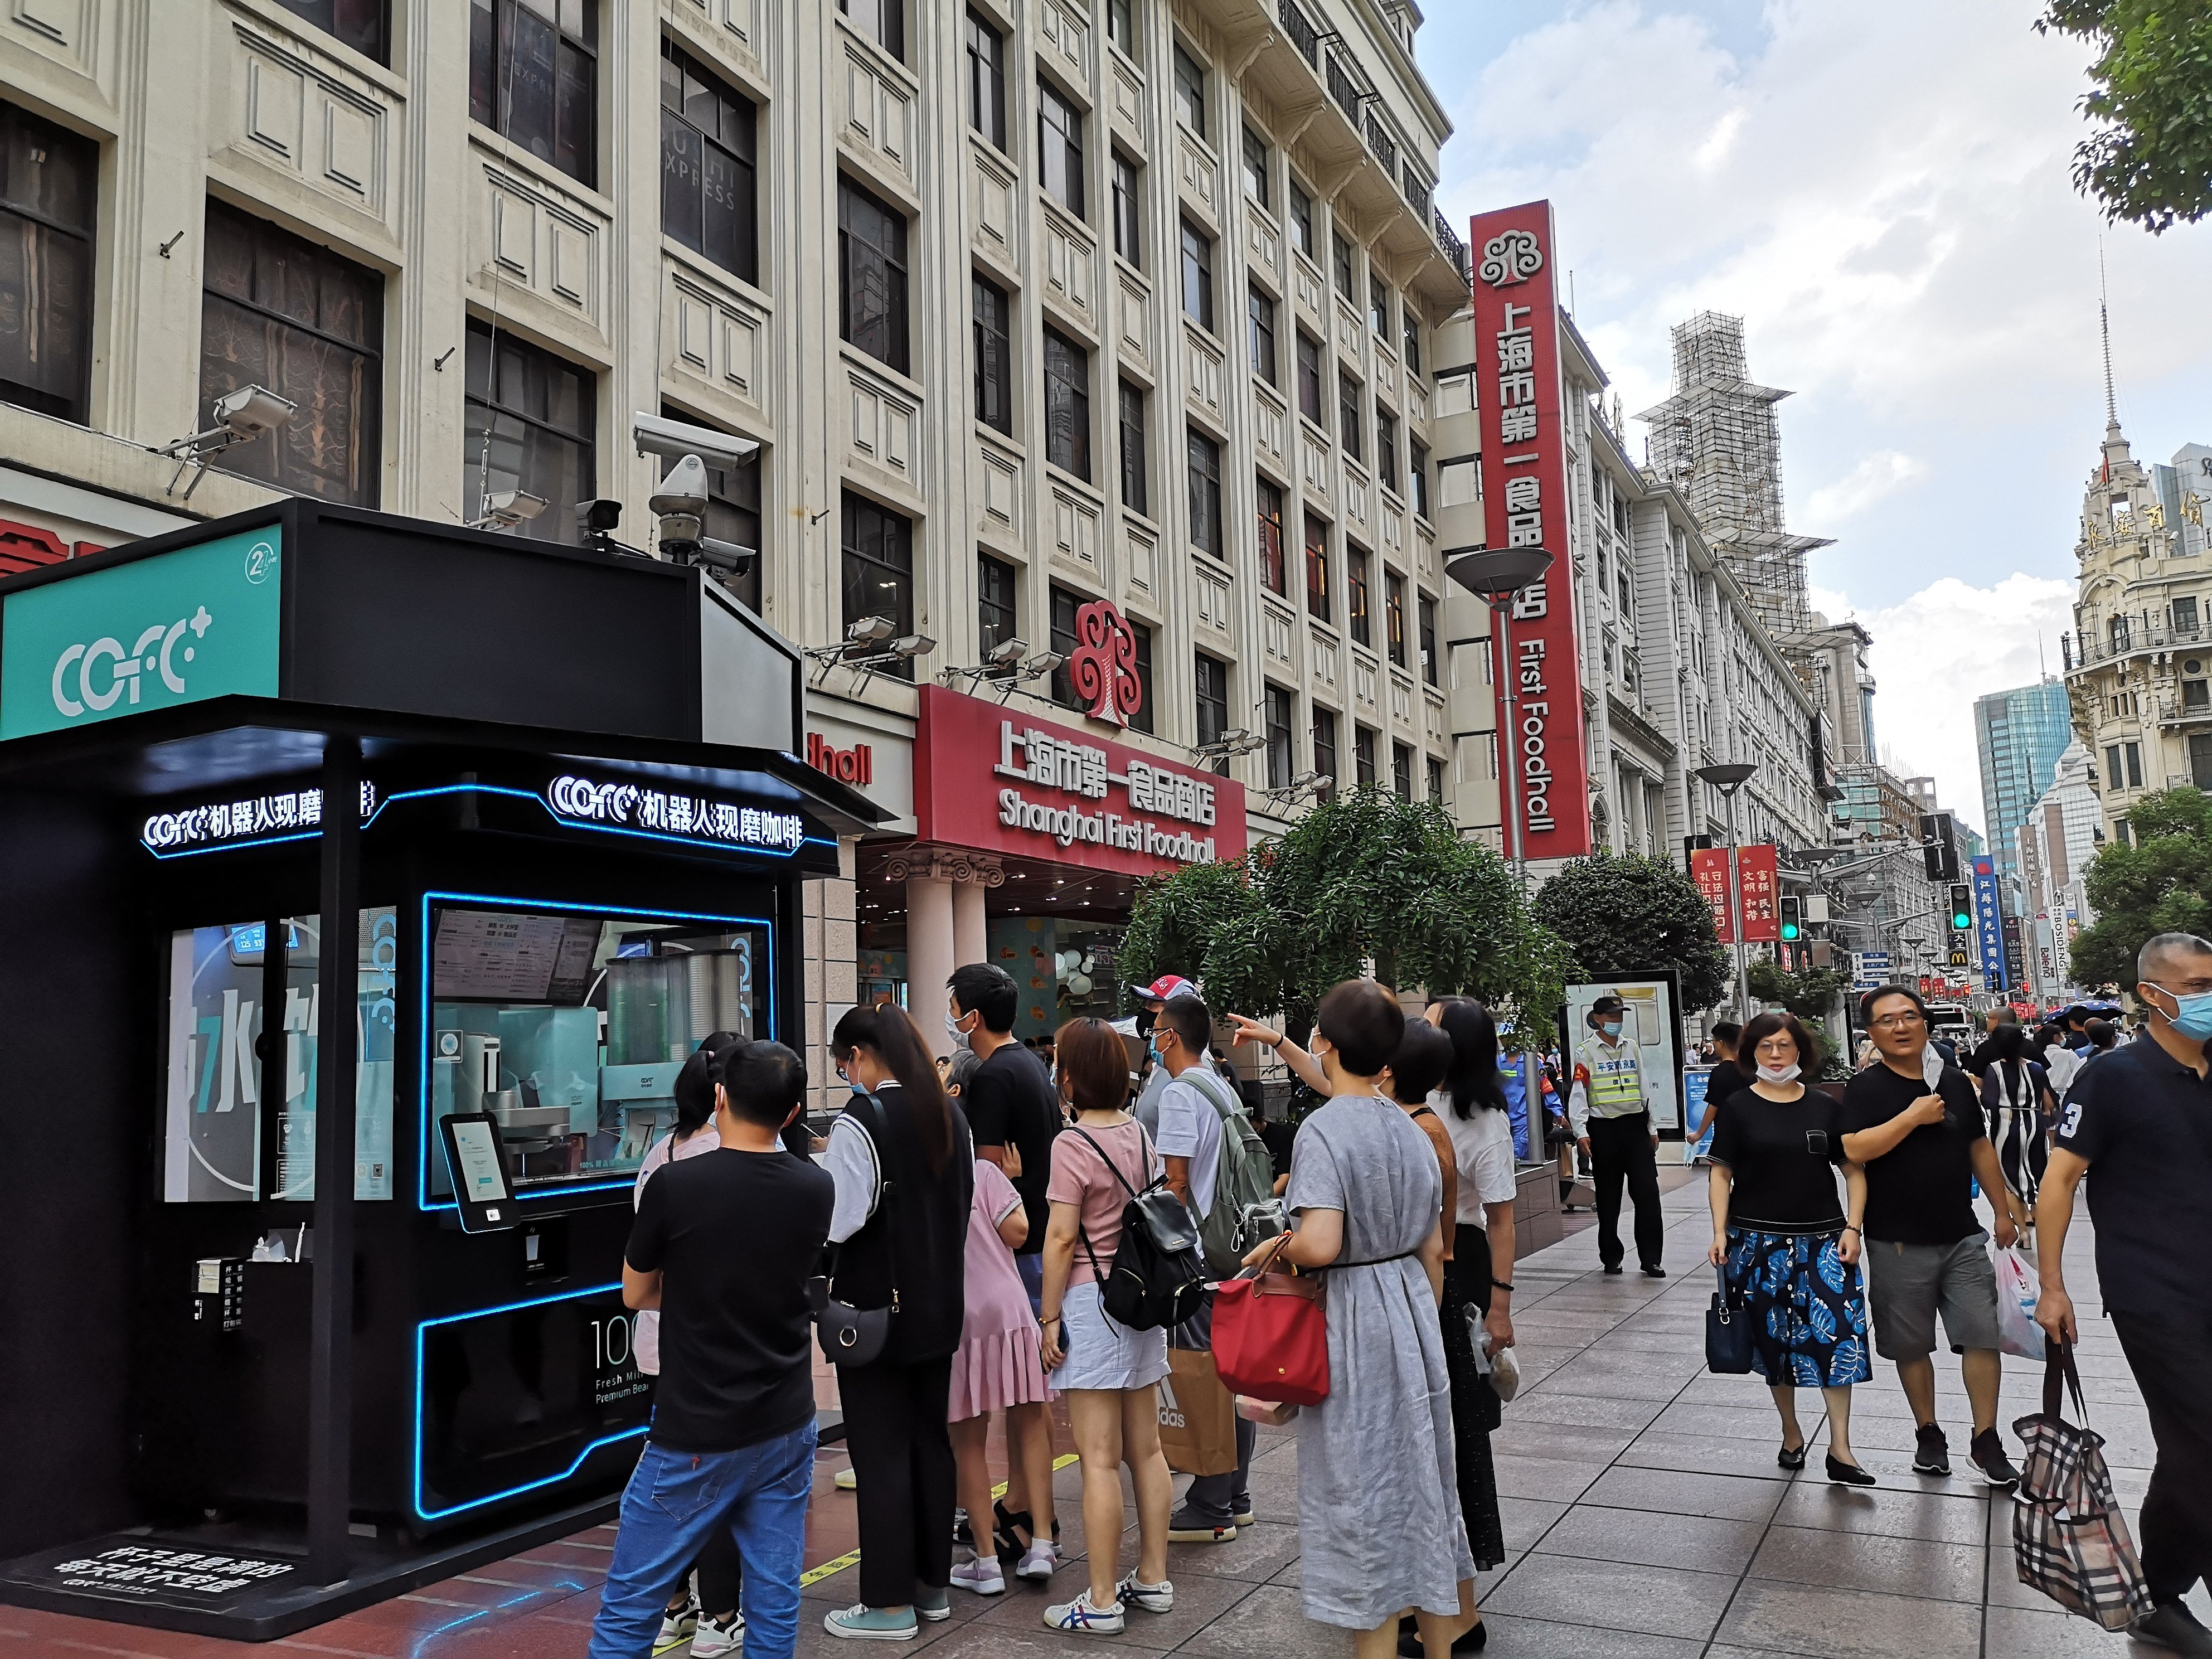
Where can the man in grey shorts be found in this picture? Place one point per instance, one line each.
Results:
(1917, 1126)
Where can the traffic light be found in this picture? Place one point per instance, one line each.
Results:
(1962, 907)
(1791, 912)
(1939, 846)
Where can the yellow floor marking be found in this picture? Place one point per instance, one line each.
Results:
(829, 1569)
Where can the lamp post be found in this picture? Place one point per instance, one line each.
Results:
(1495, 576)
(1728, 779)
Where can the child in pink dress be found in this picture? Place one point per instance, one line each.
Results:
(997, 1368)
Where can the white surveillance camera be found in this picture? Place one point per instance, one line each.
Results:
(672, 441)
(513, 506)
(685, 488)
(869, 630)
(252, 410)
(727, 557)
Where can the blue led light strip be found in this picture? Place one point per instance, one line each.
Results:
(528, 1486)
(422, 1199)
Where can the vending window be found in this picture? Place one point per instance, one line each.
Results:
(569, 1028)
(239, 1124)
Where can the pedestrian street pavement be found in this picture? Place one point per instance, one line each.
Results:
(1643, 1510)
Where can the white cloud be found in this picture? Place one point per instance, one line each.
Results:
(1877, 475)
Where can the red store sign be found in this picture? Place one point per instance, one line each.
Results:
(999, 780)
(1524, 481)
(1756, 883)
(856, 765)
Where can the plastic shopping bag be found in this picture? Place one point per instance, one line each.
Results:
(2017, 1331)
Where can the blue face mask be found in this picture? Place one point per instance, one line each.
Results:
(1610, 1027)
(2192, 1015)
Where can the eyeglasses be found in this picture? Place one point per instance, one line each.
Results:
(1892, 1022)
(2188, 987)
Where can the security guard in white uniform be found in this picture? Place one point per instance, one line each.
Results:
(1612, 1123)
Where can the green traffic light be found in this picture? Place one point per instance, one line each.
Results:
(1790, 930)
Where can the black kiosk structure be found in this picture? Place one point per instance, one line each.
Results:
(340, 853)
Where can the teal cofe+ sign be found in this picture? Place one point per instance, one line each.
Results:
(178, 626)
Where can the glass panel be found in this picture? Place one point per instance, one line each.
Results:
(680, 209)
(519, 1000)
(375, 1027)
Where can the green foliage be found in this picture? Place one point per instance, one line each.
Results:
(2161, 884)
(1808, 994)
(1622, 915)
(1362, 877)
(2149, 159)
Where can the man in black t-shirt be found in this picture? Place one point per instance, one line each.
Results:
(1727, 1078)
(1012, 1107)
(1919, 1131)
(723, 1246)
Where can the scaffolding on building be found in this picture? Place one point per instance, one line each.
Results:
(1715, 440)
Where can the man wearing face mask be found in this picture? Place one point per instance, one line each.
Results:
(1612, 1125)
(1151, 999)
(2142, 1116)
(1010, 1102)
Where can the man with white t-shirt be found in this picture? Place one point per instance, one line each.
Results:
(1191, 1104)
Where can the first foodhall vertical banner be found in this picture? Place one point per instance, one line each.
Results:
(1524, 484)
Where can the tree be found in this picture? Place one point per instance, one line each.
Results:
(1362, 878)
(2149, 160)
(1626, 915)
(1809, 994)
(2161, 884)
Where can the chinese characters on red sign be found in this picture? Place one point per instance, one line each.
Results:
(1525, 480)
(1709, 869)
(1757, 884)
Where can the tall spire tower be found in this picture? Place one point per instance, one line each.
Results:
(2104, 328)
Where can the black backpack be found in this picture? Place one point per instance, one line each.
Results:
(1158, 1277)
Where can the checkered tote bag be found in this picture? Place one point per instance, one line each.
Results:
(2067, 1530)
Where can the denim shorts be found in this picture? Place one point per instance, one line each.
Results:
(1907, 1285)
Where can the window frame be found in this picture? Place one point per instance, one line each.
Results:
(1202, 468)
(853, 507)
(1213, 699)
(1378, 306)
(1320, 598)
(1260, 332)
(996, 621)
(1340, 267)
(1349, 393)
(987, 82)
(1259, 184)
(898, 326)
(1273, 572)
(1324, 743)
(501, 84)
(1121, 28)
(378, 52)
(1073, 456)
(1359, 594)
(1279, 712)
(558, 525)
(1189, 76)
(1061, 154)
(1128, 208)
(1198, 250)
(888, 28)
(1424, 618)
(1417, 475)
(1363, 755)
(1401, 772)
(1313, 408)
(745, 264)
(1134, 458)
(1410, 337)
(1301, 214)
(79, 245)
(993, 344)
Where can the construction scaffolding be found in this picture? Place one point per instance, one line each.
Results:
(1715, 440)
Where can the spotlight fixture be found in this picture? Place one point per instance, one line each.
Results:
(241, 416)
(1228, 745)
(1007, 665)
(508, 509)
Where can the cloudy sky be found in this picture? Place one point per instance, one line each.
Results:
(1881, 191)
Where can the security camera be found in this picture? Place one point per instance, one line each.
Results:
(680, 505)
(505, 509)
(252, 410)
(672, 441)
(597, 516)
(726, 556)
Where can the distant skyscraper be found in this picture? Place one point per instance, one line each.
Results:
(2020, 736)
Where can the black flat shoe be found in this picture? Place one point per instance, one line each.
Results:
(1471, 1640)
(1651, 1271)
(1612, 1270)
(1791, 1457)
(1847, 1474)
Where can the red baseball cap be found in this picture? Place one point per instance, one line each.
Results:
(1166, 986)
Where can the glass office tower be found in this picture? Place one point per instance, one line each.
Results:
(2020, 736)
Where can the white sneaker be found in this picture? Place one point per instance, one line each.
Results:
(677, 1625)
(1152, 1598)
(982, 1574)
(1040, 1561)
(715, 1638)
(1084, 1620)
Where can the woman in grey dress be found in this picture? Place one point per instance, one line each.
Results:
(1378, 1501)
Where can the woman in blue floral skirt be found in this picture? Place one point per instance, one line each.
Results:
(1788, 1244)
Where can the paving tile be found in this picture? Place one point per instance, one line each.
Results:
(1566, 1442)
(1883, 1510)
(1270, 1622)
(1525, 1520)
(1257, 1553)
(2050, 1634)
(1698, 1455)
(1200, 1599)
(1872, 1561)
(1633, 1376)
(1840, 1624)
(1614, 1597)
(1597, 1411)
(1542, 1639)
(980, 1641)
(1760, 1422)
(1670, 1491)
(1653, 1539)
(1547, 1477)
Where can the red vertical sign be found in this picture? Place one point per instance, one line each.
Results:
(1756, 882)
(1524, 481)
(1709, 869)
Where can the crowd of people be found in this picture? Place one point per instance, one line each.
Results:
(957, 1238)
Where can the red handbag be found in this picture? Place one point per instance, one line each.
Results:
(1271, 1335)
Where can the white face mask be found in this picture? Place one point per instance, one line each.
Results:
(1931, 1065)
(1778, 1073)
(952, 1028)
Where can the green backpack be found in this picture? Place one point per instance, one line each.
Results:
(1245, 1209)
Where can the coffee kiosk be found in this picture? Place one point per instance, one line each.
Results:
(363, 882)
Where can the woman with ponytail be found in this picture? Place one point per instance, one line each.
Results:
(904, 1164)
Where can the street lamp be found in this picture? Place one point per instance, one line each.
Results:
(1728, 779)
(1495, 576)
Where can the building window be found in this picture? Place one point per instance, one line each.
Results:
(1309, 380)
(1059, 148)
(708, 193)
(1259, 314)
(364, 25)
(49, 182)
(1347, 415)
(2116, 631)
(1302, 220)
(1401, 771)
(287, 314)
(1204, 456)
(1189, 91)
(2200, 759)
(1065, 602)
(1140, 717)
(531, 418)
(2112, 766)
(1324, 743)
(995, 603)
(883, 21)
(1271, 539)
(879, 568)
(995, 356)
(1129, 241)
(987, 82)
(1355, 594)
(1198, 276)
(1134, 494)
(2134, 751)
(1393, 608)
(533, 77)
(1340, 264)
(734, 512)
(1121, 26)
(1212, 696)
(871, 275)
(1378, 306)
(1426, 613)
(1417, 474)
(1436, 781)
(1318, 599)
(1282, 763)
(1386, 448)
(1362, 756)
(2185, 616)
(1412, 331)
(1256, 169)
(1066, 404)
(2197, 696)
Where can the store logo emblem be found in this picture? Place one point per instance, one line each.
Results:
(1103, 665)
(155, 651)
(1511, 257)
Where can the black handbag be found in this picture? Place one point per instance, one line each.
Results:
(1728, 1331)
(850, 1335)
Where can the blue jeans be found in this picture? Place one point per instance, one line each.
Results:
(673, 1502)
(1031, 1268)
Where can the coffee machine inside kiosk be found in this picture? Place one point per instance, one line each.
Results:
(554, 882)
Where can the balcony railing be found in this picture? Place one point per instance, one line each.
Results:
(1380, 141)
(1454, 249)
(1416, 189)
(2133, 633)
(1299, 31)
(1344, 90)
